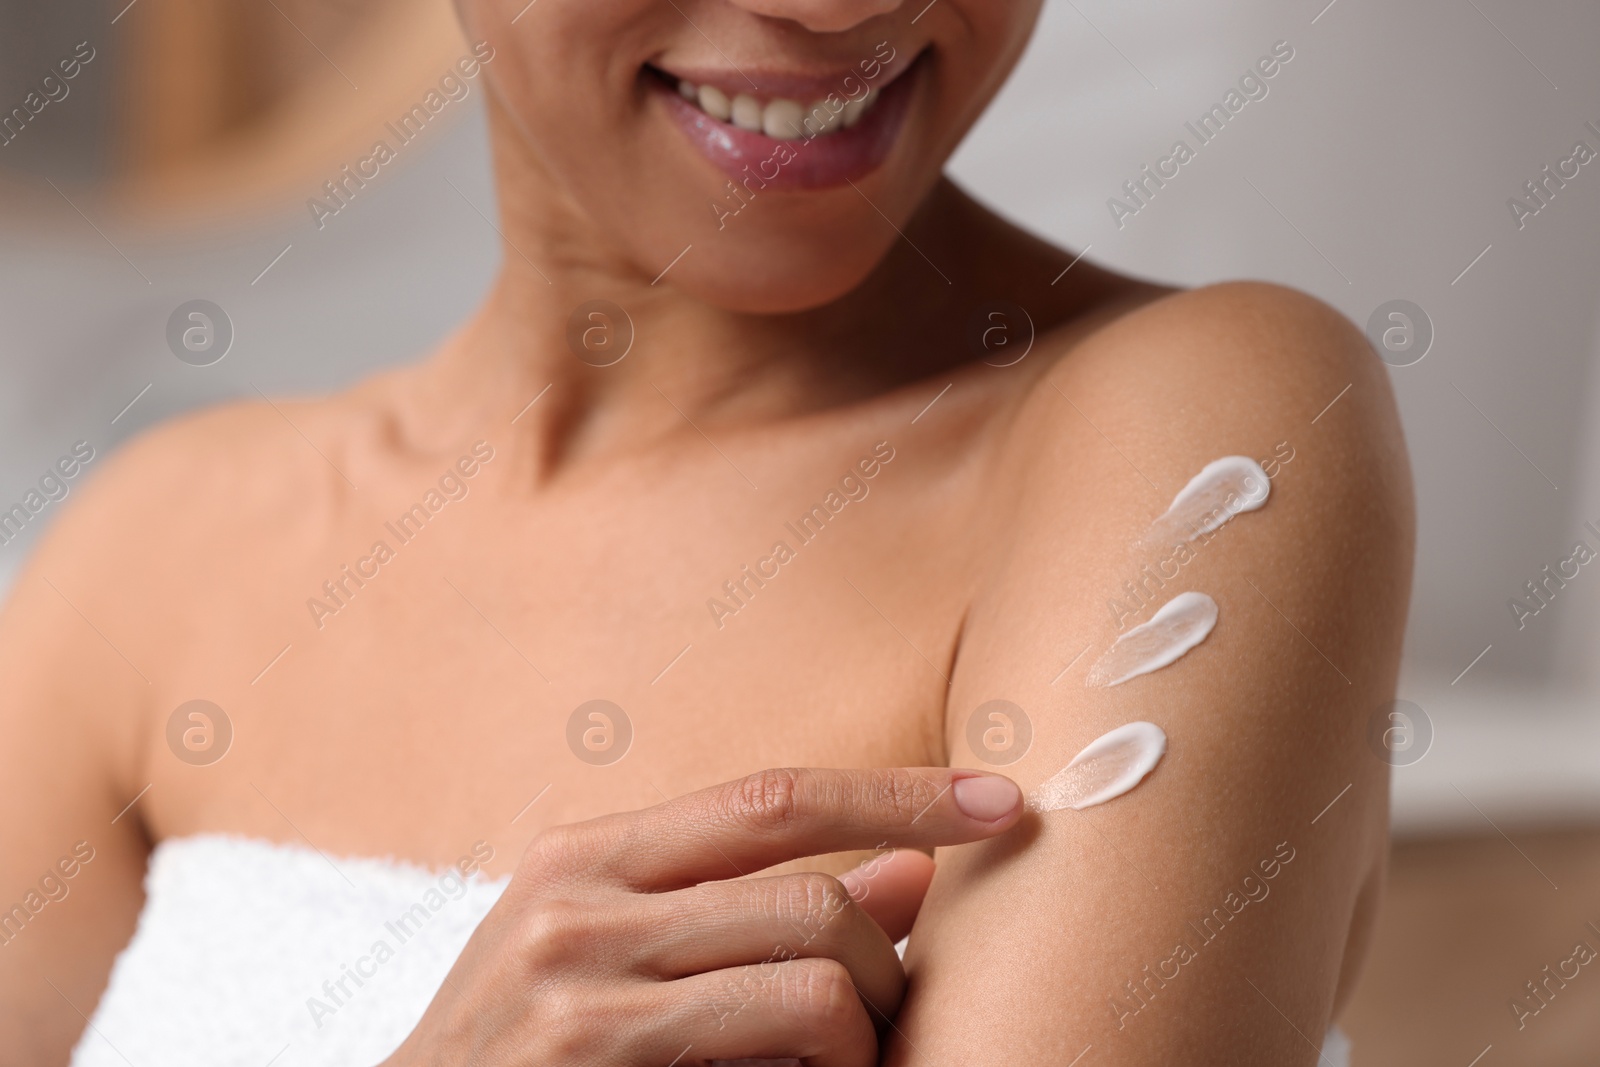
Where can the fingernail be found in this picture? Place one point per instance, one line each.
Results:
(988, 798)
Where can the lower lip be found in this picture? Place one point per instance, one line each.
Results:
(822, 162)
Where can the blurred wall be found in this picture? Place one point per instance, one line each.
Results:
(75, 142)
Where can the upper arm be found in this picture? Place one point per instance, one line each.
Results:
(1028, 945)
(87, 640)
(73, 698)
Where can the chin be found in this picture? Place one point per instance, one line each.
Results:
(779, 213)
(773, 181)
(786, 187)
(789, 225)
(767, 273)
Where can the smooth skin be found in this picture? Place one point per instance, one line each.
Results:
(427, 712)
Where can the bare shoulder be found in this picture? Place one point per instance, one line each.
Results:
(1245, 368)
(1255, 343)
(188, 524)
(1108, 435)
(218, 484)
(201, 487)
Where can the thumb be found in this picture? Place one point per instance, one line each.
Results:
(890, 888)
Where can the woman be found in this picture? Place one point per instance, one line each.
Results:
(770, 448)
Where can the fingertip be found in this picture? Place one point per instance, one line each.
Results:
(988, 798)
(890, 888)
(897, 865)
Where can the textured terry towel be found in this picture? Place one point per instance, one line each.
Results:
(242, 945)
(250, 953)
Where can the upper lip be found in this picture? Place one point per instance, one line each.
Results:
(767, 83)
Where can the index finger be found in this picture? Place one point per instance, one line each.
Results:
(766, 818)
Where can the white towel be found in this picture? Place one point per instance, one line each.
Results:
(250, 953)
(240, 952)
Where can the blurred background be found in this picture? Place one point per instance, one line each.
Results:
(178, 160)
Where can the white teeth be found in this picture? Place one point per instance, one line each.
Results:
(714, 102)
(820, 119)
(780, 118)
(747, 111)
(856, 108)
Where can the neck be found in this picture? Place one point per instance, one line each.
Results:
(692, 367)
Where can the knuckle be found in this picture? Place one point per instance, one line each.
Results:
(820, 991)
(567, 1024)
(900, 794)
(555, 848)
(812, 901)
(553, 934)
(767, 800)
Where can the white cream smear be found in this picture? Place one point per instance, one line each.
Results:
(1224, 488)
(1175, 628)
(1112, 764)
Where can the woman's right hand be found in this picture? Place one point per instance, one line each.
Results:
(620, 940)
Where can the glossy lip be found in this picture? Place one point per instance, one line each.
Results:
(758, 161)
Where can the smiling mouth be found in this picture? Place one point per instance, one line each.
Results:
(778, 117)
(825, 132)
